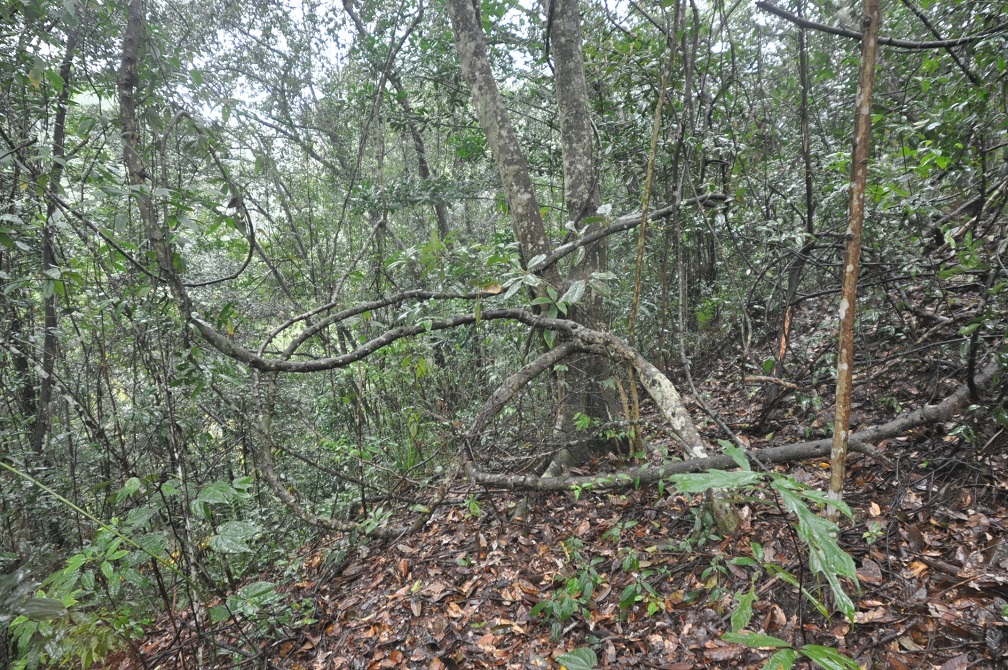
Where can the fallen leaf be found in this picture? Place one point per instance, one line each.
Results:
(870, 572)
(960, 662)
(725, 653)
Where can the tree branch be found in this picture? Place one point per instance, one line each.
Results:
(859, 442)
(768, 6)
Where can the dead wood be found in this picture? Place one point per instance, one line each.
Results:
(860, 441)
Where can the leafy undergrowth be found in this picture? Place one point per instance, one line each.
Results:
(642, 581)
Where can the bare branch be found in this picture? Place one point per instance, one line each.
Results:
(768, 6)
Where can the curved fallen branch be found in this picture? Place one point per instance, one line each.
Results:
(649, 474)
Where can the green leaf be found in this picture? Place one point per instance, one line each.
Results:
(629, 596)
(43, 609)
(782, 660)
(737, 454)
(714, 479)
(574, 293)
(582, 658)
(825, 555)
(829, 658)
(217, 493)
(232, 536)
(742, 615)
(219, 613)
(754, 640)
(513, 288)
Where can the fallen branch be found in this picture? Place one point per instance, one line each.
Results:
(648, 474)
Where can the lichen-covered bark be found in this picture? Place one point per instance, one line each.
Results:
(526, 221)
(581, 194)
(581, 198)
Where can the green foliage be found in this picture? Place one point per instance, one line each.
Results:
(582, 658)
(324, 156)
(575, 594)
(786, 655)
(99, 604)
(826, 558)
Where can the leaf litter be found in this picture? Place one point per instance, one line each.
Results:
(635, 577)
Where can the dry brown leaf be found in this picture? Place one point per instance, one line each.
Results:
(878, 615)
(960, 662)
(870, 572)
(724, 653)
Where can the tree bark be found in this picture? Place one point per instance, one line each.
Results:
(49, 268)
(585, 393)
(526, 221)
(852, 256)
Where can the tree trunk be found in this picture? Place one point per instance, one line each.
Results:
(852, 257)
(49, 269)
(584, 378)
(523, 208)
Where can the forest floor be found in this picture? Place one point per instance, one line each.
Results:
(640, 579)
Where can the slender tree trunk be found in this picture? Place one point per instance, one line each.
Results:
(49, 268)
(852, 257)
(797, 266)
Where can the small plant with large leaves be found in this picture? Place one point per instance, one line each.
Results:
(826, 559)
(575, 594)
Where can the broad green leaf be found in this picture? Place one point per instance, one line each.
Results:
(43, 609)
(574, 293)
(825, 555)
(713, 479)
(828, 658)
(582, 658)
(742, 615)
(754, 640)
(258, 591)
(232, 536)
(536, 260)
(738, 455)
(217, 493)
(781, 660)
(219, 613)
